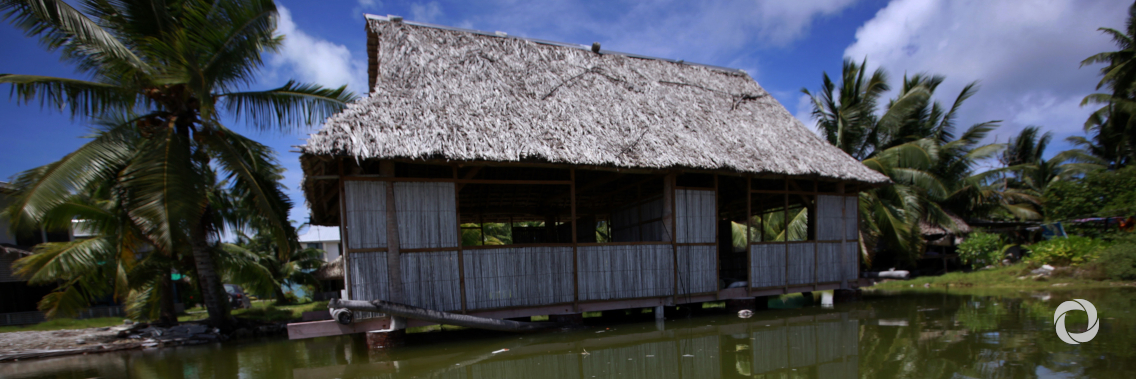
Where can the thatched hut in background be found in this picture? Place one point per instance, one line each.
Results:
(942, 243)
(617, 175)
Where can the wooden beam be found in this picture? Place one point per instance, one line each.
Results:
(469, 175)
(343, 240)
(575, 265)
(394, 267)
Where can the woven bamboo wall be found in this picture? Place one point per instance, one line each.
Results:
(427, 215)
(830, 218)
(851, 260)
(828, 262)
(366, 214)
(368, 275)
(694, 216)
(851, 214)
(431, 280)
(802, 266)
(768, 265)
(518, 276)
(625, 271)
(697, 269)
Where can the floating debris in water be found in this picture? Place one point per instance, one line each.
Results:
(500, 351)
(745, 313)
(688, 355)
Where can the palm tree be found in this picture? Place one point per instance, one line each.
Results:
(254, 262)
(1112, 126)
(913, 142)
(1032, 173)
(178, 65)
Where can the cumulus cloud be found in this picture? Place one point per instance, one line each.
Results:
(700, 31)
(429, 12)
(312, 59)
(1025, 54)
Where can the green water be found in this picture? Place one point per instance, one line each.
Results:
(910, 335)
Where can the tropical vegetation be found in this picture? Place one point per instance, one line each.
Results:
(168, 72)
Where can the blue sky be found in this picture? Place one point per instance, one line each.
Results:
(1025, 54)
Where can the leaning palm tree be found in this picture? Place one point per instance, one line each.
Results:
(180, 66)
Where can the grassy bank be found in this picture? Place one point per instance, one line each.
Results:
(64, 323)
(1011, 277)
(261, 311)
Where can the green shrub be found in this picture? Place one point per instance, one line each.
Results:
(1074, 250)
(1119, 260)
(981, 249)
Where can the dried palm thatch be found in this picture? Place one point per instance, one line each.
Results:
(331, 270)
(960, 227)
(442, 93)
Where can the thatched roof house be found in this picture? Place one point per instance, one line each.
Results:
(489, 173)
(460, 95)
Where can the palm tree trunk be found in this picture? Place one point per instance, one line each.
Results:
(208, 280)
(168, 309)
(280, 299)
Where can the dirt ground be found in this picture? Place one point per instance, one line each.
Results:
(15, 342)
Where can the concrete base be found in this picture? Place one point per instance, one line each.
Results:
(735, 305)
(386, 339)
(844, 296)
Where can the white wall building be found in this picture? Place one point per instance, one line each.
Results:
(322, 237)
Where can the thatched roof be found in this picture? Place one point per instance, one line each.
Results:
(460, 95)
(331, 270)
(929, 229)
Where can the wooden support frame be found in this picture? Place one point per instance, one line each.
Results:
(575, 244)
(394, 261)
(749, 230)
(343, 240)
(461, 250)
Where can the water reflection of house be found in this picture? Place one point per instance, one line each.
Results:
(821, 346)
(619, 178)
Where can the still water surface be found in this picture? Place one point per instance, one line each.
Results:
(909, 335)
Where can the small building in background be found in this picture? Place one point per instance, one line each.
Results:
(325, 238)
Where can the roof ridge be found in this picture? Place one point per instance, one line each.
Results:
(499, 34)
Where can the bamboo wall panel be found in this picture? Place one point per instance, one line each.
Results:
(518, 276)
(802, 345)
(6, 274)
(427, 215)
(828, 267)
(801, 263)
(851, 214)
(366, 214)
(566, 366)
(638, 222)
(851, 267)
(369, 280)
(431, 280)
(697, 269)
(625, 271)
(633, 361)
(830, 217)
(694, 216)
(770, 350)
(767, 265)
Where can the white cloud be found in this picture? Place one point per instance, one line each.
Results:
(1026, 55)
(370, 4)
(311, 59)
(699, 31)
(429, 12)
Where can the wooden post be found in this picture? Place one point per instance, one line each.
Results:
(575, 262)
(717, 242)
(785, 200)
(669, 224)
(461, 251)
(749, 230)
(343, 245)
(815, 221)
(394, 268)
(843, 235)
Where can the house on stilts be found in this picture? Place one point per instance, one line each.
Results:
(623, 181)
